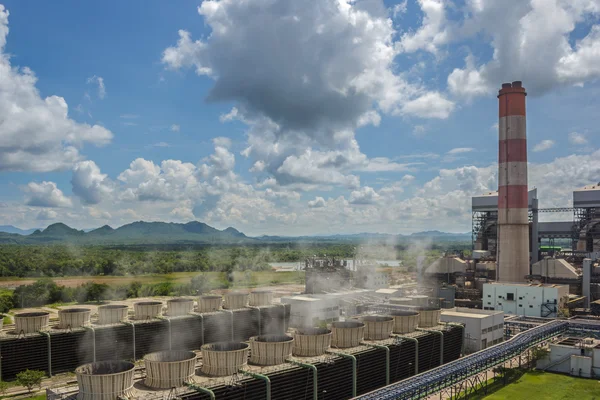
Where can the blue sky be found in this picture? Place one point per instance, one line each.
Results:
(296, 155)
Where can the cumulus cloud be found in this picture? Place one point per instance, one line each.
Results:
(45, 194)
(460, 150)
(543, 145)
(46, 214)
(518, 29)
(36, 133)
(318, 202)
(89, 183)
(577, 138)
(308, 93)
(98, 80)
(365, 195)
(175, 128)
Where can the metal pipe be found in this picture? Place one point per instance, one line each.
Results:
(133, 327)
(416, 342)
(201, 328)
(263, 378)
(387, 359)
(201, 389)
(93, 341)
(49, 352)
(353, 359)
(315, 375)
(441, 341)
(231, 312)
(257, 309)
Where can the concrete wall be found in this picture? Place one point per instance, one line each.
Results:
(581, 366)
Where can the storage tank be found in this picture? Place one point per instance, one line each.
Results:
(31, 322)
(167, 369)
(261, 298)
(179, 306)
(378, 327)
(209, 303)
(73, 317)
(224, 358)
(419, 300)
(112, 314)
(147, 309)
(271, 349)
(405, 321)
(429, 316)
(310, 342)
(403, 301)
(104, 380)
(235, 300)
(346, 334)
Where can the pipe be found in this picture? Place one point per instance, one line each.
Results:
(170, 334)
(231, 312)
(387, 359)
(262, 378)
(351, 357)
(315, 375)
(416, 342)
(93, 341)
(284, 330)
(201, 389)
(257, 309)
(201, 329)
(133, 327)
(441, 341)
(49, 353)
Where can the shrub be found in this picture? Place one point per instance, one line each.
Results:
(30, 379)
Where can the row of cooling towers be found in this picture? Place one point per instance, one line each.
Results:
(108, 380)
(71, 318)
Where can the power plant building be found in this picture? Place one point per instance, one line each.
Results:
(531, 300)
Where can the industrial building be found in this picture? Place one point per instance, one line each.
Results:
(577, 356)
(531, 300)
(483, 328)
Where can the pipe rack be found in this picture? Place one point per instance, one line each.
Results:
(421, 385)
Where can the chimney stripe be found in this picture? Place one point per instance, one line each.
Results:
(512, 150)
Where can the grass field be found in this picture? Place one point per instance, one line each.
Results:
(548, 386)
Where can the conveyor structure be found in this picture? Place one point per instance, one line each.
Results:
(420, 386)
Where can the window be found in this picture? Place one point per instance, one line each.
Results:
(489, 302)
(483, 331)
(489, 295)
(499, 297)
(520, 298)
(530, 306)
(520, 305)
(510, 296)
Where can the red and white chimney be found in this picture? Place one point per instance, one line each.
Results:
(513, 220)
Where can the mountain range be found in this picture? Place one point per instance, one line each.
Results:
(193, 232)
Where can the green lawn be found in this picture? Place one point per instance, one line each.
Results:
(544, 385)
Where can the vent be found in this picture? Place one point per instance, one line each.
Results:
(429, 316)
(378, 327)
(271, 349)
(31, 322)
(105, 380)
(180, 306)
(310, 342)
(112, 314)
(167, 369)
(235, 300)
(209, 303)
(261, 298)
(405, 321)
(224, 358)
(347, 334)
(70, 318)
(147, 309)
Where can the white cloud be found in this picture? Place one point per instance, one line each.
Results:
(419, 130)
(318, 202)
(175, 128)
(45, 194)
(431, 35)
(36, 133)
(399, 8)
(365, 195)
(100, 82)
(543, 145)
(161, 144)
(46, 214)
(89, 183)
(577, 138)
(222, 141)
(460, 150)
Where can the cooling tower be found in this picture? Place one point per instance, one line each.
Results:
(180, 306)
(104, 380)
(405, 321)
(147, 309)
(261, 298)
(112, 314)
(513, 219)
(378, 327)
(429, 316)
(31, 322)
(310, 342)
(224, 358)
(346, 334)
(209, 303)
(271, 349)
(74, 317)
(235, 300)
(167, 369)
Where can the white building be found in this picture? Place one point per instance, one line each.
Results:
(483, 328)
(308, 311)
(532, 300)
(575, 356)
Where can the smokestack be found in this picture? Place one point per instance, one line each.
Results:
(513, 221)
